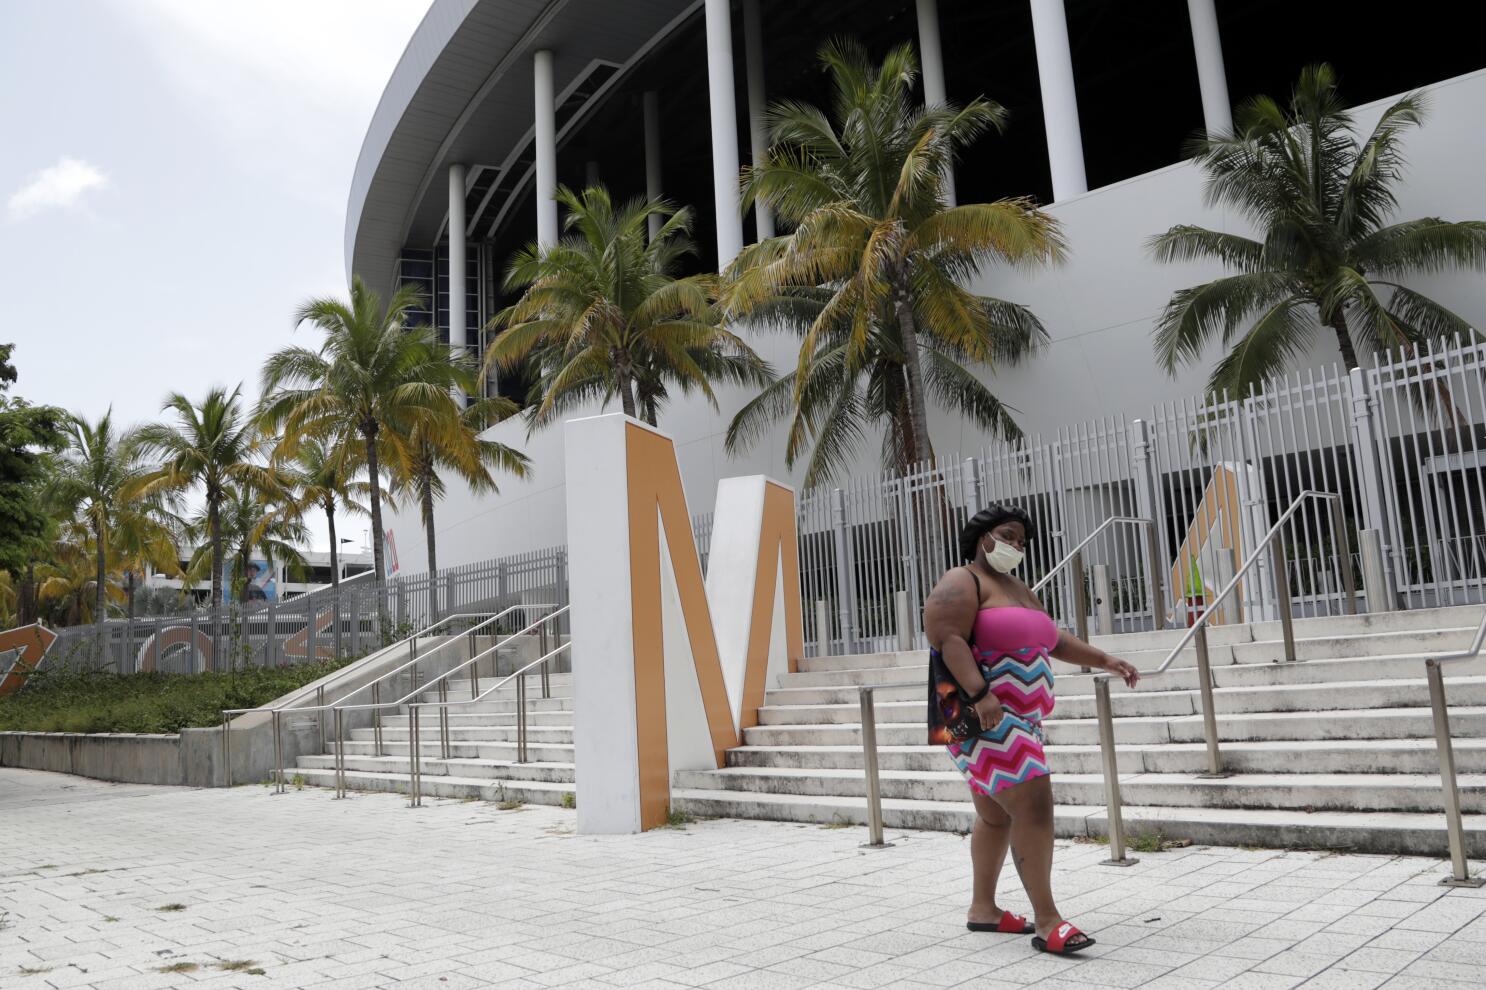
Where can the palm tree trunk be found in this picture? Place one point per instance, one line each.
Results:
(626, 396)
(335, 568)
(1338, 323)
(101, 609)
(374, 473)
(214, 531)
(130, 593)
(918, 417)
(425, 495)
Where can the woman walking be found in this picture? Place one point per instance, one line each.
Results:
(991, 641)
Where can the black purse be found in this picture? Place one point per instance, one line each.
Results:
(952, 718)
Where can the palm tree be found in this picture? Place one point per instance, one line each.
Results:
(603, 311)
(323, 476)
(99, 478)
(145, 537)
(213, 445)
(872, 275)
(253, 528)
(420, 450)
(372, 372)
(1324, 251)
(68, 582)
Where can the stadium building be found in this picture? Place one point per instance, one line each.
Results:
(495, 102)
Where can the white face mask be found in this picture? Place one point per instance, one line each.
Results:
(1004, 557)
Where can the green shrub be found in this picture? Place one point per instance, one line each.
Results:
(90, 701)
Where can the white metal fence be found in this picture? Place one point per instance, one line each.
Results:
(1402, 443)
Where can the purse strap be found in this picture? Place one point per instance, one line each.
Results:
(976, 578)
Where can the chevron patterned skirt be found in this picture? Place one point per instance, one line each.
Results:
(1002, 757)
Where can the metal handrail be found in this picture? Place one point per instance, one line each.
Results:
(1074, 561)
(1449, 783)
(337, 708)
(441, 680)
(415, 756)
(1271, 545)
(374, 685)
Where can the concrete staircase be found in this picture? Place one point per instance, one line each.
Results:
(482, 752)
(1333, 751)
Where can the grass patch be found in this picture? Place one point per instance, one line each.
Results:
(35, 970)
(239, 966)
(1154, 842)
(569, 799)
(836, 822)
(679, 819)
(178, 967)
(169, 908)
(511, 805)
(109, 917)
(63, 700)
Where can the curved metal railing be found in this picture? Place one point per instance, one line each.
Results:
(1270, 545)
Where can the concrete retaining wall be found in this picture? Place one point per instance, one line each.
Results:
(193, 757)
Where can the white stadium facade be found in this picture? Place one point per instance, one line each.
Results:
(495, 102)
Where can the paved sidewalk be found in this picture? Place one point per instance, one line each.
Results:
(106, 885)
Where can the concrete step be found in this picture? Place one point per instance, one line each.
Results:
(1372, 723)
(1404, 653)
(1466, 692)
(446, 786)
(1300, 792)
(541, 752)
(1368, 832)
(555, 773)
(457, 717)
(1383, 756)
(1451, 617)
(785, 708)
(429, 729)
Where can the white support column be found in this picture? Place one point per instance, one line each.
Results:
(724, 131)
(457, 342)
(1217, 112)
(653, 189)
(546, 147)
(758, 130)
(931, 54)
(1065, 144)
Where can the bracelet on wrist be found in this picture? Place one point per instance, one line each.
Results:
(985, 690)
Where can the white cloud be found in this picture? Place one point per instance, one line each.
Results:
(62, 186)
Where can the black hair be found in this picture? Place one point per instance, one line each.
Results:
(988, 519)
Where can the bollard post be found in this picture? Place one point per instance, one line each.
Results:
(444, 717)
(320, 715)
(1113, 813)
(278, 753)
(1080, 599)
(377, 718)
(1282, 595)
(1209, 714)
(521, 719)
(1454, 828)
(415, 762)
(340, 754)
(869, 762)
(226, 751)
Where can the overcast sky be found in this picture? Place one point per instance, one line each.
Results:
(173, 183)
